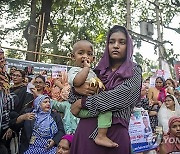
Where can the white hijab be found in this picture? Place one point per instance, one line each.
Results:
(165, 114)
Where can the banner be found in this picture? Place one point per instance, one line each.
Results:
(57, 69)
(38, 67)
(140, 131)
(167, 72)
(177, 69)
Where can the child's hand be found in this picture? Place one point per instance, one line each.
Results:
(86, 63)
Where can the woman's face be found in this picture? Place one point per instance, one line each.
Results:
(159, 83)
(39, 84)
(45, 105)
(169, 83)
(143, 92)
(59, 76)
(12, 70)
(175, 129)
(17, 78)
(63, 147)
(117, 46)
(169, 103)
(26, 81)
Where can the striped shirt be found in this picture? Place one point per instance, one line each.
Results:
(1, 108)
(8, 102)
(121, 100)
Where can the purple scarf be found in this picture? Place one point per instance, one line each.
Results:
(113, 78)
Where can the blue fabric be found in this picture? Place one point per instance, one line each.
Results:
(44, 121)
(39, 146)
(44, 129)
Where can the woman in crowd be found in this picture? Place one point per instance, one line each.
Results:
(39, 82)
(42, 128)
(171, 142)
(177, 95)
(20, 90)
(158, 93)
(60, 89)
(65, 145)
(48, 86)
(122, 79)
(70, 122)
(144, 103)
(7, 104)
(12, 70)
(169, 108)
(170, 83)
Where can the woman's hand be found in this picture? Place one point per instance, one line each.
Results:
(34, 91)
(170, 90)
(86, 89)
(153, 113)
(7, 134)
(27, 116)
(58, 83)
(159, 103)
(76, 107)
(50, 144)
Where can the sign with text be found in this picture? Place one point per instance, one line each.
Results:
(57, 69)
(38, 67)
(140, 131)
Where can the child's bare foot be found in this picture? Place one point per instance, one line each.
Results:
(105, 141)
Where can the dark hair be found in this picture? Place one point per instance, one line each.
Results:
(170, 96)
(42, 77)
(117, 28)
(114, 29)
(29, 79)
(22, 73)
(13, 67)
(162, 79)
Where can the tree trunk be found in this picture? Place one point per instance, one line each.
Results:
(30, 32)
(45, 14)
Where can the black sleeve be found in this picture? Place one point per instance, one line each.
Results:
(73, 96)
(120, 98)
(60, 126)
(13, 117)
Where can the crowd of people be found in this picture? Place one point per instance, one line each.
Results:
(85, 111)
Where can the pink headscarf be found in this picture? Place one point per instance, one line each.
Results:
(170, 147)
(68, 137)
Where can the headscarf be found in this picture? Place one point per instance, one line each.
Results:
(171, 147)
(4, 79)
(165, 114)
(44, 122)
(113, 78)
(162, 91)
(47, 89)
(68, 137)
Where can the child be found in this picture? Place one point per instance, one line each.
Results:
(83, 55)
